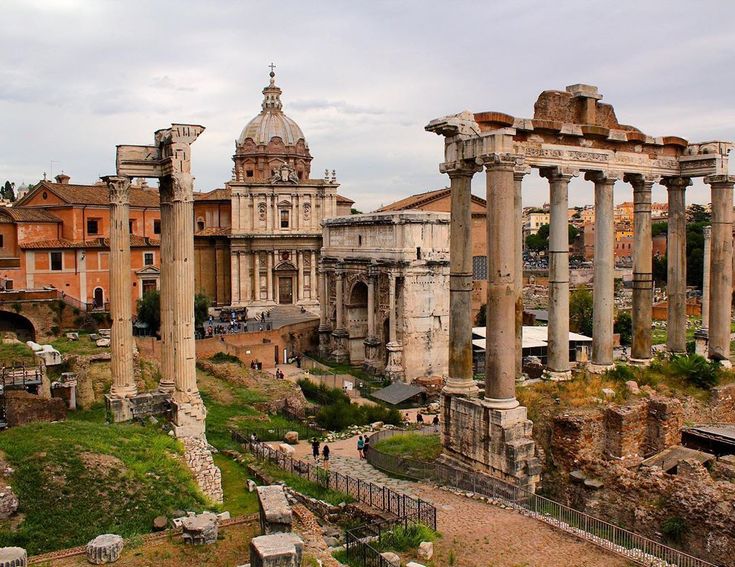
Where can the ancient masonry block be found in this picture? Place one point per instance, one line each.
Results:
(276, 550)
(626, 430)
(13, 557)
(199, 459)
(104, 548)
(200, 529)
(275, 512)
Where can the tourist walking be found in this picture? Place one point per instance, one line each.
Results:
(325, 456)
(419, 420)
(361, 447)
(315, 449)
(435, 421)
(365, 447)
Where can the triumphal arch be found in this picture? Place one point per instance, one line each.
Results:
(572, 133)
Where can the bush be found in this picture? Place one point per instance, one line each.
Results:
(222, 357)
(621, 373)
(341, 415)
(674, 529)
(321, 394)
(695, 370)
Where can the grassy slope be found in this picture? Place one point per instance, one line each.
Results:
(78, 479)
(412, 446)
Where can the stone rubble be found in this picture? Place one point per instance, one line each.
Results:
(200, 529)
(198, 456)
(13, 557)
(105, 548)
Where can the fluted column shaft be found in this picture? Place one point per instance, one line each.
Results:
(642, 312)
(460, 380)
(500, 365)
(720, 309)
(518, 176)
(269, 275)
(340, 301)
(123, 377)
(300, 263)
(392, 314)
(312, 279)
(244, 275)
(676, 264)
(558, 337)
(706, 262)
(604, 271)
(167, 292)
(256, 276)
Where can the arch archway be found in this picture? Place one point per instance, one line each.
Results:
(18, 324)
(356, 321)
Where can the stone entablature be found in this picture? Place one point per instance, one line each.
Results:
(380, 274)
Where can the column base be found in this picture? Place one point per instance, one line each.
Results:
(325, 340)
(701, 342)
(371, 364)
(119, 410)
(595, 368)
(166, 387)
(558, 375)
(124, 392)
(137, 407)
(497, 442)
(642, 362)
(725, 363)
(188, 417)
(340, 354)
(461, 387)
(394, 369)
(501, 403)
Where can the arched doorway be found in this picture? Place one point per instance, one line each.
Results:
(22, 327)
(356, 315)
(285, 280)
(99, 298)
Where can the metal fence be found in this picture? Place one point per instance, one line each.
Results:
(279, 433)
(379, 497)
(360, 541)
(396, 465)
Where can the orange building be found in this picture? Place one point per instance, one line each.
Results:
(57, 236)
(440, 201)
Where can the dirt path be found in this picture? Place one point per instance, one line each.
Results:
(477, 534)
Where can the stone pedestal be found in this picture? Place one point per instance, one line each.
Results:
(497, 442)
(275, 512)
(200, 529)
(394, 368)
(701, 342)
(276, 550)
(371, 364)
(340, 354)
(139, 406)
(13, 557)
(104, 548)
(325, 341)
(118, 409)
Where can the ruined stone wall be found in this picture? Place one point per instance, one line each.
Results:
(22, 407)
(199, 459)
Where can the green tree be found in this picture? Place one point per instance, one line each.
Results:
(481, 317)
(149, 310)
(540, 241)
(697, 213)
(201, 309)
(354, 211)
(659, 270)
(8, 191)
(659, 228)
(624, 327)
(580, 312)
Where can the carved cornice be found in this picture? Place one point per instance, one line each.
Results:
(676, 183)
(119, 187)
(604, 177)
(463, 168)
(720, 181)
(558, 173)
(641, 182)
(500, 161)
(176, 188)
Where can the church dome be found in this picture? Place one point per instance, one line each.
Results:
(272, 122)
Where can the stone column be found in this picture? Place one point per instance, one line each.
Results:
(676, 264)
(642, 311)
(372, 343)
(460, 380)
(312, 278)
(500, 365)
(394, 368)
(518, 174)
(167, 383)
(325, 330)
(269, 275)
(720, 307)
(245, 281)
(340, 335)
(189, 410)
(300, 263)
(604, 272)
(256, 276)
(235, 285)
(706, 275)
(558, 337)
(123, 377)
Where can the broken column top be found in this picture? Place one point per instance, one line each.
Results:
(586, 91)
(274, 505)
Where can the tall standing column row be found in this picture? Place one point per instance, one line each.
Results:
(340, 335)
(460, 380)
(720, 308)
(121, 344)
(518, 174)
(372, 342)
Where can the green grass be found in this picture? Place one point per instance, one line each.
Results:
(400, 539)
(304, 486)
(83, 346)
(412, 446)
(77, 479)
(238, 501)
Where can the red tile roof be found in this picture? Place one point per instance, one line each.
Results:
(421, 199)
(97, 194)
(23, 214)
(214, 195)
(100, 243)
(344, 200)
(213, 231)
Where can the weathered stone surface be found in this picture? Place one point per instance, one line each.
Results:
(251, 485)
(286, 449)
(608, 393)
(160, 523)
(291, 437)
(8, 502)
(104, 548)
(275, 511)
(200, 529)
(199, 459)
(632, 387)
(426, 550)
(276, 550)
(392, 557)
(414, 564)
(13, 557)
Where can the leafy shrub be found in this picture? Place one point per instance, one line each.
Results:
(674, 529)
(695, 369)
(624, 327)
(622, 373)
(222, 357)
(321, 394)
(340, 415)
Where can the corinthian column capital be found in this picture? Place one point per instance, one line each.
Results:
(500, 161)
(718, 181)
(676, 183)
(603, 177)
(641, 182)
(461, 168)
(557, 173)
(119, 187)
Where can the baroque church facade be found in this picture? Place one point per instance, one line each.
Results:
(263, 231)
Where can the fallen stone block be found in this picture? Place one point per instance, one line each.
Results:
(200, 529)
(632, 387)
(102, 343)
(391, 557)
(426, 550)
(276, 550)
(291, 437)
(377, 425)
(608, 393)
(251, 485)
(105, 548)
(13, 557)
(414, 564)
(8, 503)
(160, 523)
(286, 449)
(73, 336)
(275, 511)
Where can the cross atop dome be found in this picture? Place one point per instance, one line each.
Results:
(271, 93)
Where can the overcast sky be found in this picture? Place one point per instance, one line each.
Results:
(361, 79)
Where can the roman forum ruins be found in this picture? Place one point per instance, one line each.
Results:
(571, 133)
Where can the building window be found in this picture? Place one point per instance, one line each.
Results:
(149, 286)
(131, 226)
(479, 267)
(93, 226)
(148, 259)
(200, 224)
(8, 285)
(284, 219)
(249, 173)
(359, 239)
(2, 241)
(157, 226)
(56, 261)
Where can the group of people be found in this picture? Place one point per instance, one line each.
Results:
(420, 421)
(279, 374)
(363, 444)
(324, 452)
